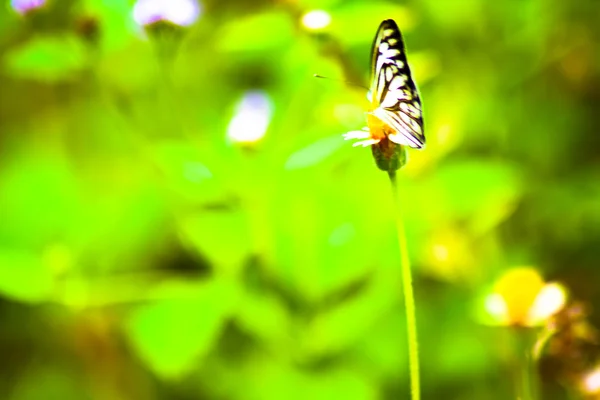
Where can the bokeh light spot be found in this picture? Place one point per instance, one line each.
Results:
(549, 301)
(591, 382)
(440, 252)
(496, 307)
(251, 119)
(316, 20)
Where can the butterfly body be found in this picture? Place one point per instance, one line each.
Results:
(395, 113)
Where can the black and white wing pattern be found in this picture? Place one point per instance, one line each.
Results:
(393, 93)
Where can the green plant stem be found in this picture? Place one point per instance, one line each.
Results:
(527, 369)
(409, 298)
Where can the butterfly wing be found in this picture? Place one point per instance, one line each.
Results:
(393, 92)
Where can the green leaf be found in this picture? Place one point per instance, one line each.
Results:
(270, 378)
(383, 351)
(356, 23)
(24, 276)
(257, 32)
(482, 192)
(221, 236)
(50, 381)
(185, 172)
(38, 199)
(314, 153)
(337, 384)
(47, 59)
(172, 336)
(462, 351)
(344, 325)
(266, 318)
(118, 26)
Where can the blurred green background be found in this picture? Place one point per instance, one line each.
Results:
(181, 219)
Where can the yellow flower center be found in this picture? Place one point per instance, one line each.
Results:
(378, 129)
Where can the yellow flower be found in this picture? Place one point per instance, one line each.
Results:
(520, 297)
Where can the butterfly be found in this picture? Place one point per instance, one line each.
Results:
(396, 113)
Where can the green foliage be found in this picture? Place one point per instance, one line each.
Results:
(18, 267)
(314, 153)
(145, 254)
(47, 59)
(247, 34)
(172, 336)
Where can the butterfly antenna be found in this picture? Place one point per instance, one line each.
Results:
(340, 80)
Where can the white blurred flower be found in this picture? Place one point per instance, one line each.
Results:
(179, 12)
(251, 119)
(316, 20)
(550, 300)
(24, 6)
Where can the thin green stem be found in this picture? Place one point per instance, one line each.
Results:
(527, 369)
(409, 298)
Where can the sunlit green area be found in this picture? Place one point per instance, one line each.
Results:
(180, 217)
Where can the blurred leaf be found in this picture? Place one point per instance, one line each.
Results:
(47, 58)
(317, 4)
(24, 276)
(266, 318)
(356, 23)
(119, 192)
(452, 16)
(424, 65)
(185, 172)
(330, 238)
(383, 351)
(48, 382)
(221, 236)
(255, 33)
(342, 235)
(29, 218)
(462, 351)
(117, 24)
(265, 378)
(172, 336)
(134, 214)
(314, 153)
(345, 384)
(341, 326)
(139, 77)
(482, 192)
